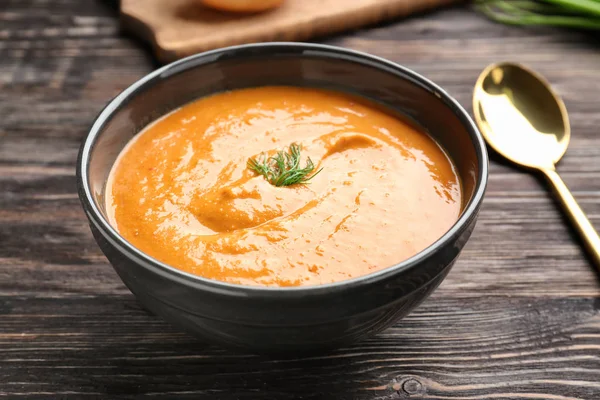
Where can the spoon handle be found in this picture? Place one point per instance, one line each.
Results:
(576, 215)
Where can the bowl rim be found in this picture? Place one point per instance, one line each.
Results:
(311, 49)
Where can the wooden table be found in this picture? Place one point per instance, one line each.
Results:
(517, 318)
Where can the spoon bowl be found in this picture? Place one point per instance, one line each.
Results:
(520, 116)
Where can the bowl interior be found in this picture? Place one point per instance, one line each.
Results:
(283, 64)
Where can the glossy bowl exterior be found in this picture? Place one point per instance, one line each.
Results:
(261, 319)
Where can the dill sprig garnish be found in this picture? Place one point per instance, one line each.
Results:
(283, 169)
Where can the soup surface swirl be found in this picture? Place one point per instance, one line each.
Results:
(182, 193)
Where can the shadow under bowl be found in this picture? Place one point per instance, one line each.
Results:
(282, 320)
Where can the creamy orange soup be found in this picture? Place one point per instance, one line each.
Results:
(182, 191)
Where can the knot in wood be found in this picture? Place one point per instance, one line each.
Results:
(412, 387)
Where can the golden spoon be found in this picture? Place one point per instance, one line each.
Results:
(525, 121)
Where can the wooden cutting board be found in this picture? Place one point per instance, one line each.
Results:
(178, 28)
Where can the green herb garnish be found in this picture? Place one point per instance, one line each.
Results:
(582, 14)
(284, 169)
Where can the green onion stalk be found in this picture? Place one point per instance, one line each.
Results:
(581, 14)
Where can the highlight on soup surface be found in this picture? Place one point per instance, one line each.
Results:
(282, 186)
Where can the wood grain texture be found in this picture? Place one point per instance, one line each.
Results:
(517, 318)
(178, 28)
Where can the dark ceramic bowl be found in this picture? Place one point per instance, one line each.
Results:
(261, 319)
